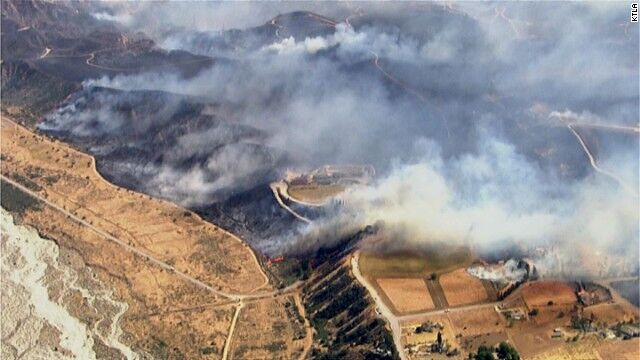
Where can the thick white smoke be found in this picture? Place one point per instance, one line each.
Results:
(455, 116)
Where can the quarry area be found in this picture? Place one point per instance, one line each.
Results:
(319, 180)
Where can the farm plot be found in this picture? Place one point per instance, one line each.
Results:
(460, 288)
(407, 294)
(543, 293)
(476, 322)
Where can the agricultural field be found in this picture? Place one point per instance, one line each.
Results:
(476, 321)
(611, 314)
(461, 288)
(541, 293)
(414, 264)
(406, 294)
(593, 348)
(314, 193)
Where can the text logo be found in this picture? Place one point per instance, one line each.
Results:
(634, 12)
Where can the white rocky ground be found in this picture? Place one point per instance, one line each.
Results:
(52, 305)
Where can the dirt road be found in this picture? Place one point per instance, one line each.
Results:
(128, 247)
(227, 344)
(594, 163)
(275, 188)
(396, 330)
(95, 171)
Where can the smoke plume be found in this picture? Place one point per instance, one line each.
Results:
(466, 112)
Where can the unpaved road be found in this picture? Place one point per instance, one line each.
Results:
(238, 298)
(154, 260)
(128, 247)
(594, 164)
(396, 330)
(227, 344)
(275, 188)
(45, 53)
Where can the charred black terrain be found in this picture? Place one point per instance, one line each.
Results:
(48, 49)
(140, 137)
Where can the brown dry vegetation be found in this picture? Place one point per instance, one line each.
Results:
(271, 328)
(460, 288)
(178, 237)
(619, 350)
(167, 316)
(406, 294)
(593, 348)
(539, 293)
(448, 333)
(612, 313)
(476, 322)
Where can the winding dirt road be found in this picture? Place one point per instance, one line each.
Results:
(276, 189)
(596, 167)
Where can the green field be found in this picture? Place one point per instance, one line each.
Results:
(414, 263)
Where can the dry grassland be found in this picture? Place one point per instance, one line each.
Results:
(612, 313)
(620, 349)
(460, 288)
(269, 329)
(539, 293)
(533, 338)
(407, 294)
(471, 343)
(167, 316)
(178, 237)
(476, 322)
(593, 348)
